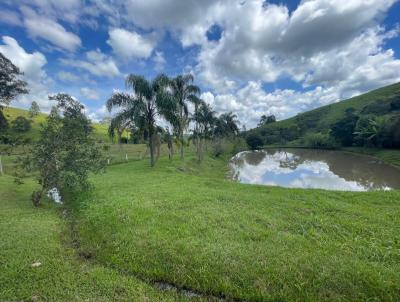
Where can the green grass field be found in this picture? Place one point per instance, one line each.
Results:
(30, 235)
(183, 223)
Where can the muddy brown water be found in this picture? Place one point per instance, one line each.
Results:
(318, 169)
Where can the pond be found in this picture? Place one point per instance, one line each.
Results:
(322, 169)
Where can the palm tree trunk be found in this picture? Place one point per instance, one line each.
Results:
(152, 161)
(181, 133)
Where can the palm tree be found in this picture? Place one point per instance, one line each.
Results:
(119, 126)
(205, 117)
(196, 102)
(142, 108)
(227, 124)
(183, 90)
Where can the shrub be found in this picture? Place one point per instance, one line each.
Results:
(21, 124)
(319, 141)
(254, 141)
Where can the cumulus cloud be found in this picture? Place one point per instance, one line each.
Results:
(129, 44)
(252, 101)
(48, 29)
(32, 65)
(96, 63)
(89, 93)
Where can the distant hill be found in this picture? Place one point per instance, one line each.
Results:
(383, 103)
(11, 114)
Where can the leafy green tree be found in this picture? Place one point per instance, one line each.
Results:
(10, 83)
(34, 110)
(343, 130)
(183, 92)
(3, 122)
(368, 131)
(254, 141)
(66, 152)
(265, 120)
(142, 108)
(21, 124)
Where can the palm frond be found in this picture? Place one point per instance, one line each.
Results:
(119, 99)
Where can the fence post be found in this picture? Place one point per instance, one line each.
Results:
(1, 167)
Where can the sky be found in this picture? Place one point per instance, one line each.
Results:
(251, 57)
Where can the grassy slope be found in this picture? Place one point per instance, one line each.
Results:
(11, 113)
(328, 115)
(32, 234)
(196, 230)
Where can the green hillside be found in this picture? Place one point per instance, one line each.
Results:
(11, 114)
(381, 105)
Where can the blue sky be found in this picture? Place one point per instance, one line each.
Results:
(251, 57)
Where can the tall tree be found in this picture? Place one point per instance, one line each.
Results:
(34, 110)
(10, 83)
(183, 90)
(227, 124)
(265, 120)
(205, 118)
(197, 102)
(142, 108)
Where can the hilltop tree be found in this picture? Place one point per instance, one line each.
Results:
(34, 110)
(142, 108)
(66, 153)
(10, 83)
(183, 91)
(265, 120)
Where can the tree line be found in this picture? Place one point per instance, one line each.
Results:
(66, 151)
(169, 99)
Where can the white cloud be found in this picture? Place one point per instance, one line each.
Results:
(31, 64)
(98, 114)
(252, 101)
(66, 76)
(96, 63)
(10, 17)
(48, 29)
(89, 93)
(159, 61)
(129, 44)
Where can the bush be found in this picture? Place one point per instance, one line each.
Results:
(319, 141)
(254, 141)
(21, 124)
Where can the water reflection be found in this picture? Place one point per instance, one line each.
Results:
(301, 168)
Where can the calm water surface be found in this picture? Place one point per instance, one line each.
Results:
(303, 168)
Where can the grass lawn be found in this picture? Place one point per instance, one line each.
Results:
(29, 235)
(185, 224)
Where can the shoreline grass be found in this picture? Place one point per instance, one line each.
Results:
(190, 227)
